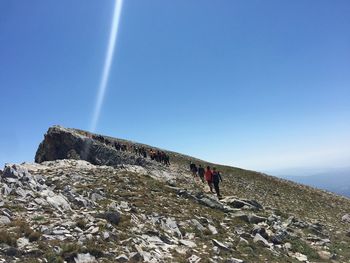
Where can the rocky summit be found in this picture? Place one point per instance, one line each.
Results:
(93, 198)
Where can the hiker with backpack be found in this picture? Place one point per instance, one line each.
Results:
(209, 178)
(216, 180)
(201, 173)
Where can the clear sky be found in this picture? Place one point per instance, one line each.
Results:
(263, 85)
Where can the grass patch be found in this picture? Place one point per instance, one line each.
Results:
(38, 218)
(34, 236)
(301, 246)
(7, 238)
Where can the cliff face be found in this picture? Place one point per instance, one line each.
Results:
(61, 143)
(93, 198)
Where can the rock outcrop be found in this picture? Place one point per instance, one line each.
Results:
(61, 143)
(101, 205)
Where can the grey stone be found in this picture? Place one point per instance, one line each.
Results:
(219, 244)
(260, 240)
(22, 242)
(242, 216)
(4, 220)
(135, 257)
(212, 229)
(105, 235)
(94, 230)
(234, 260)
(14, 171)
(11, 180)
(346, 218)
(212, 203)
(58, 201)
(198, 225)
(122, 258)
(11, 252)
(170, 226)
(112, 216)
(254, 219)
(279, 237)
(194, 259)
(188, 243)
(96, 197)
(85, 258)
(260, 230)
(6, 190)
(21, 192)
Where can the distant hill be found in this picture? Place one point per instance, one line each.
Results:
(336, 181)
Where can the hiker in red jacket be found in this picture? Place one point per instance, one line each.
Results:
(209, 178)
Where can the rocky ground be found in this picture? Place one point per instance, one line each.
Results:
(74, 211)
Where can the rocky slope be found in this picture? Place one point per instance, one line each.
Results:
(86, 201)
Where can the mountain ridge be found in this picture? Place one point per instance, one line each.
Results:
(86, 193)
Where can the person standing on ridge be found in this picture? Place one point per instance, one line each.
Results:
(194, 171)
(191, 166)
(209, 178)
(216, 180)
(201, 173)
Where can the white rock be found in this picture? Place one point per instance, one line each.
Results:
(85, 258)
(198, 225)
(259, 239)
(94, 230)
(234, 260)
(6, 190)
(346, 218)
(122, 258)
(194, 259)
(106, 235)
(57, 201)
(22, 242)
(219, 244)
(187, 243)
(300, 257)
(4, 220)
(170, 226)
(212, 229)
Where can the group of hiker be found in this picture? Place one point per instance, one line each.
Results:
(156, 155)
(160, 156)
(211, 176)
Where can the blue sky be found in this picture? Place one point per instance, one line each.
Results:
(263, 85)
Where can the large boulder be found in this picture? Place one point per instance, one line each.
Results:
(63, 143)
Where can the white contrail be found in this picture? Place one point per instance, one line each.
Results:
(108, 62)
